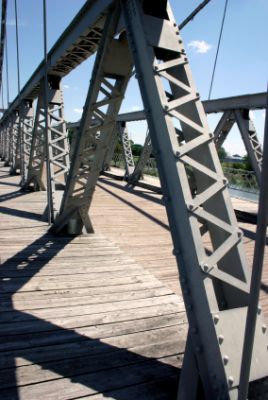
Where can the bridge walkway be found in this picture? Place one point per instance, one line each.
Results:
(96, 316)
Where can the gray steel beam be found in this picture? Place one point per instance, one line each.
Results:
(127, 152)
(251, 141)
(78, 42)
(111, 73)
(223, 128)
(27, 122)
(215, 283)
(249, 101)
(142, 161)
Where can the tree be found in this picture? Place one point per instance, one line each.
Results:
(136, 149)
(222, 153)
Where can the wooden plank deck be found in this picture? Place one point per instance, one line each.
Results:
(80, 318)
(96, 316)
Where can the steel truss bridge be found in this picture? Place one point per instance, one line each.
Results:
(138, 35)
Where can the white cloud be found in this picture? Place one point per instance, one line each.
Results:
(78, 110)
(200, 46)
(66, 86)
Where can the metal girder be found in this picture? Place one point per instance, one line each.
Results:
(215, 281)
(127, 152)
(111, 73)
(248, 101)
(57, 144)
(110, 150)
(251, 141)
(223, 128)
(142, 161)
(34, 179)
(78, 42)
(15, 144)
(27, 122)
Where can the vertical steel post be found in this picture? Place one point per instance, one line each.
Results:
(256, 275)
(50, 211)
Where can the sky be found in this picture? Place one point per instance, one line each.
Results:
(241, 69)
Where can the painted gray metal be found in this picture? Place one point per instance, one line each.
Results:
(251, 141)
(248, 101)
(27, 121)
(78, 42)
(142, 161)
(127, 152)
(213, 284)
(111, 73)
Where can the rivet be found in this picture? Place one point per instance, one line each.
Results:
(216, 318)
(264, 328)
(239, 233)
(156, 68)
(259, 309)
(221, 339)
(166, 107)
(177, 153)
(211, 135)
(225, 181)
(190, 206)
(205, 267)
(225, 359)
(230, 380)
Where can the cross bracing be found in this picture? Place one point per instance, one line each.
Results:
(215, 281)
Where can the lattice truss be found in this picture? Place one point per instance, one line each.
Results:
(80, 51)
(108, 83)
(27, 122)
(184, 149)
(127, 152)
(56, 139)
(248, 133)
(15, 142)
(144, 157)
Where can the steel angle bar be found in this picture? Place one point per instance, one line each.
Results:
(155, 40)
(142, 161)
(27, 122)
(223, 128)
(127, 152)
(15, 144)
(251, 141)
(252, 313)
(111, 73)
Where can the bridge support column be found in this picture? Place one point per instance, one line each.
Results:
(57, 140)
(251, 141)
(215, 282)
(15, 144)
(127, 152)
(223, 128)
(111, 73)
(142, 161)
(27, 122)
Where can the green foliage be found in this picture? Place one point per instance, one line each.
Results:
(222, 153)
(247, 163)
(136, 149)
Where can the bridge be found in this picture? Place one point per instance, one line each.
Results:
(115, 284)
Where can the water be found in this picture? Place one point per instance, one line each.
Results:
(241, 194)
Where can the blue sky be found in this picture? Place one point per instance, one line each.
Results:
(242, 63)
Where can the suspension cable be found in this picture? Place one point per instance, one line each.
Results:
(17, 47)
(50, 211)
(218, 47)
(3, 36)
(193, 14)
(7, 73)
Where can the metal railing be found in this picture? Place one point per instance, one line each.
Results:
(240, 179)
